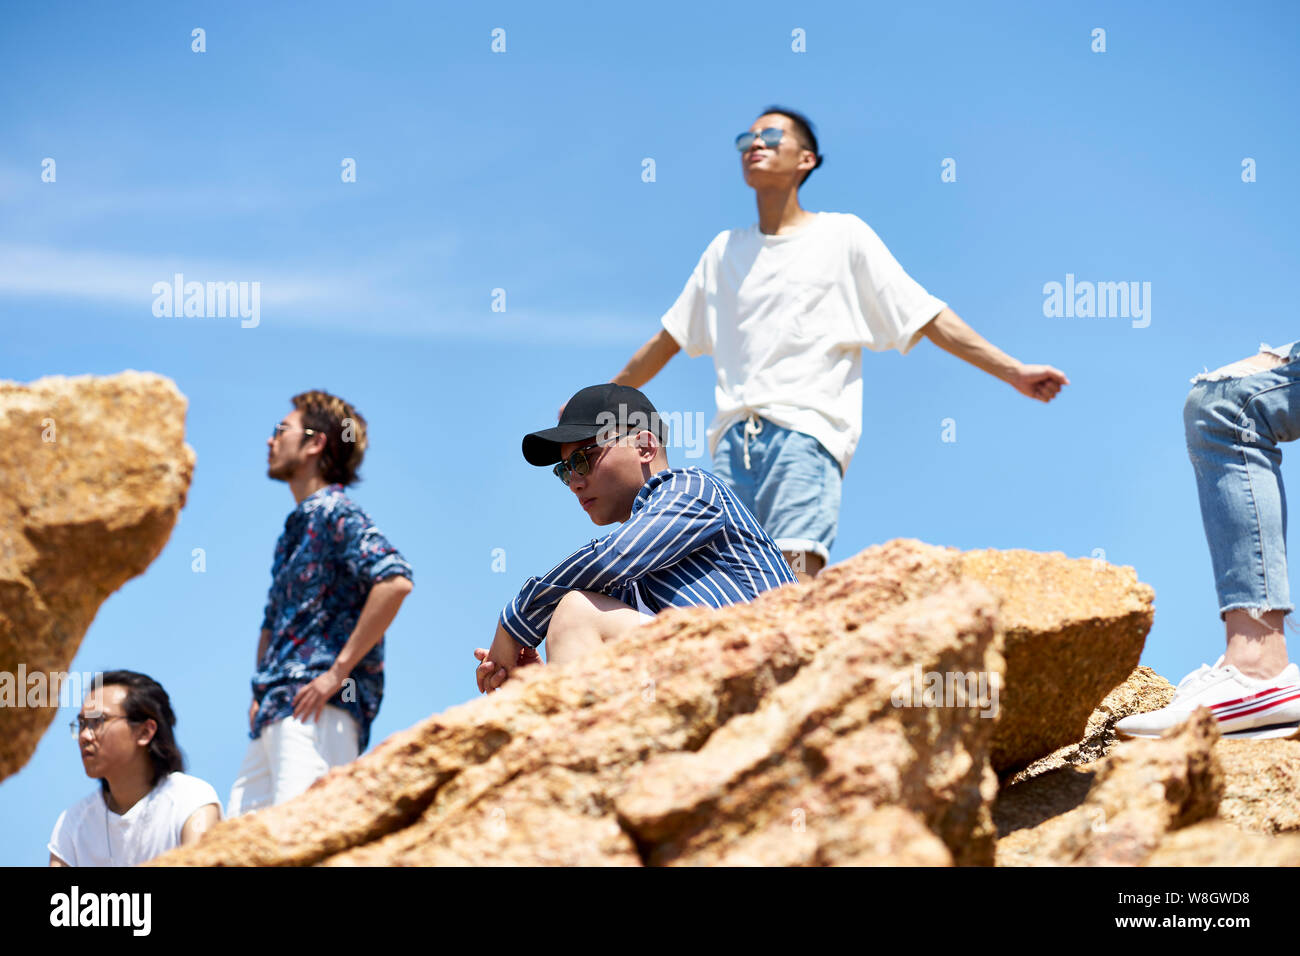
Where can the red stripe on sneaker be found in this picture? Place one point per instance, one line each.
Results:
(1262, 707)
(1252, 697)
(1261, 698)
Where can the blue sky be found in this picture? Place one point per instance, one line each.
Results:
(522, 171)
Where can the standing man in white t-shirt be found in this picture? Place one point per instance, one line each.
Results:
(785, 308)
(144, 805)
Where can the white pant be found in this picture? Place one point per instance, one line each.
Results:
(290, 756)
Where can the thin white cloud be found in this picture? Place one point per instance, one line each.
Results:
(395, 293)
(128, 279)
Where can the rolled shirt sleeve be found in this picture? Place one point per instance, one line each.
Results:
(367, 554)
(893, 307)
(673, 523)
(687, 321)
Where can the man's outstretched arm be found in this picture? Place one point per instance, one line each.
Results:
(648, 360)
(951, 334)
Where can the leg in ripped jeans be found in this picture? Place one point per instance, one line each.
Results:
(1236, 418)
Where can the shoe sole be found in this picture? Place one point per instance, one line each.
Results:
(1268, 732)
(1265, 733)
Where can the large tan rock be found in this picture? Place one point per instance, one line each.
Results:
(1074, 630)
(798, 780)
(1142, 692)
(762, 733)
(93, 472)
(1058, 783)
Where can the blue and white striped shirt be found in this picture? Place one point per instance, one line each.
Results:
(689, 542)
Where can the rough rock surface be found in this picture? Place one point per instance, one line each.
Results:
(1144, 691)
(1074, 630)
(93, 472)
(1261, 784)
(1260, 787)
(1218, 843)
(764, 733)
(1139, 793)
(830, 747)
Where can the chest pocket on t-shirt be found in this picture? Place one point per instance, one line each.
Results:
(812, 310)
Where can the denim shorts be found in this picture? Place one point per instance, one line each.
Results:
(787, 479)
(1236, 420)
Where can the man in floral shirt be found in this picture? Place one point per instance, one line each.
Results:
(336, 585)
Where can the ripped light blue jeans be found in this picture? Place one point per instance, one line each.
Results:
(1236, 419)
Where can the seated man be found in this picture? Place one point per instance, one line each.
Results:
(144, 805)
(686, 539)
(1235, 419)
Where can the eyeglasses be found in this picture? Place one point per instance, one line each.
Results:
(771, 138)
(578, 463)
(282, 427)
(93, 724)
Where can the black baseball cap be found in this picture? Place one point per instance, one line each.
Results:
(606, 408)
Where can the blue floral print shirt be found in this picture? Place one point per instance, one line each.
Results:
(326, 561)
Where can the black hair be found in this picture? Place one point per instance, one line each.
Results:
(146, 700)
(807, 133)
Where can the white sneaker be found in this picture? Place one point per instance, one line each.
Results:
(1245, 707)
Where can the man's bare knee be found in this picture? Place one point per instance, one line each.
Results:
(574, 608)
(583, 620)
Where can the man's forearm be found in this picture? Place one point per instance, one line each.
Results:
(505, 649)
(648, 360)
(951, 334)
(263, 643)
(672, 514)
(376, 615)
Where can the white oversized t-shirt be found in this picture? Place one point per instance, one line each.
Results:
(90, 834)
(786, 318)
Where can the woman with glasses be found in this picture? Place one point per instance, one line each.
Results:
(144, 805)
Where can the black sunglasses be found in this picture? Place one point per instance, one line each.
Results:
(578, 463)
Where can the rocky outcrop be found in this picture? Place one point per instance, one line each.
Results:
(1258, 799)
(787, 785)
(1142, 692)
(1139, 793)
(849, 721)
(93, 473)
(1135, 805)
(1074, 630)
(1261, 784)
(1219, 843)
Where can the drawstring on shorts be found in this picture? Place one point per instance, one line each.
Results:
(753, 425)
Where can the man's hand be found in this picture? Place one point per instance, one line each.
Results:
(496, 662)
(252, 716)
(1038, 381)
(950, 333)
(311, 700)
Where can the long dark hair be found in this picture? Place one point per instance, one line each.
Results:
(146, 700)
